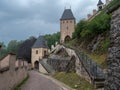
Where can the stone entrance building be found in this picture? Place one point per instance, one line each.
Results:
(39, 51)
(67, 25)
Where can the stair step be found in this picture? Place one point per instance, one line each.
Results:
(47, 66)
(99, 84)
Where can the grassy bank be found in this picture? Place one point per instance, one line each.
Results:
(18, 87)
(73, 80)
(99, 56)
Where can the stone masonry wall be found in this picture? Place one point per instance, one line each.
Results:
(80, 70)
(40, 55)
(8, 79)
(12, 73)
(67, 27)
(113, 79)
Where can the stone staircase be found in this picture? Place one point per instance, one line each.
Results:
(94, 71)
(47, 67)
(99, 83)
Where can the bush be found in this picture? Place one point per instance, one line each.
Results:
(78, 29)
(52, 38)
(92, 28)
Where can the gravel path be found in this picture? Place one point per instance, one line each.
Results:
(39, 81)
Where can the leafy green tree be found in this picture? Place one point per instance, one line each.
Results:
(12, 46)
(78, 29)
(89, 29)
(52, 38)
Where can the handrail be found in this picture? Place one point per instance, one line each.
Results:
(93, 70)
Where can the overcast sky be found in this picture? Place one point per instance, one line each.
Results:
(20, 19)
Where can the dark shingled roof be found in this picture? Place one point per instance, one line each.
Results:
(100, 2)
(67, 14)
(40, 43)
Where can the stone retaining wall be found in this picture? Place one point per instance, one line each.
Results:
(113, 63)
(80, 70)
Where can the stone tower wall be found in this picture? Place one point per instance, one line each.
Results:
(40, 55)
(67, 27)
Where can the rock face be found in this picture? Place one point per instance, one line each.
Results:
(61, 65)
(65, 59)
(61, 61)
(113, 63)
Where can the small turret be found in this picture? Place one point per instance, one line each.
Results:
(100, 5)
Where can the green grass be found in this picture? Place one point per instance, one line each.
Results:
(99, 59)
(18, 87)
(99, 56)
(72, 79)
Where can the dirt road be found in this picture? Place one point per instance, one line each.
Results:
(39, 81)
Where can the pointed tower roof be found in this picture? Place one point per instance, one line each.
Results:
(40, 43)
(100, 2)
(67, 15)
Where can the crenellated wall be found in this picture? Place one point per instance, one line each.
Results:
(113, 63)
(12, 72)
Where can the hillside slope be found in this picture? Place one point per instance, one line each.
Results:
(93, 37)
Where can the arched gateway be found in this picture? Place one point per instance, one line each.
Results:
(67, 38)
(36, 65)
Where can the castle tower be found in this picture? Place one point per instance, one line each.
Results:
(100, 5)
(39, 51)
(67, 25)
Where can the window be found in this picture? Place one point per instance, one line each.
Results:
(66, 21)
(63, 21)
(70, 21)
(36, 51)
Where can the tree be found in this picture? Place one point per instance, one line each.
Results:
(13, 46)
(52, 38)
(3, 51)
(78, 29)
(87, 30)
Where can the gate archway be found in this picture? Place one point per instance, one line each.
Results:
(36, 65)
(67, 38)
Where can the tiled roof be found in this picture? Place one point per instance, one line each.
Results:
(67, 14)
(100, 2)
(40, 43)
